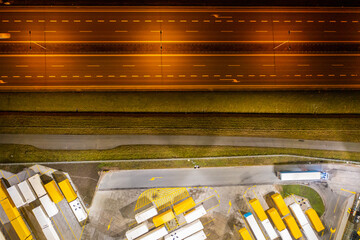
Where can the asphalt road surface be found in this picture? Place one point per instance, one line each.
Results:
(83, 142)
(200, 69)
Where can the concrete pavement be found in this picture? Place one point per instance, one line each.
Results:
(99, 142)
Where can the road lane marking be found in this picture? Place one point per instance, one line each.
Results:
(77, 21)
(199, 65)
(121, 31)
(41, 20)
(303, 65)
(268, 65)
(241, 21)
(112, 20)
(17, 21)
(147, 20)
(5, 20)
(345, 190)
(47, 31)
(158, 75)
(336, 203)
(52, 76)
(22, 66)
(87, 76)
(233, 65)
(64, 20)
(229, 20)
(310, 21)
(332, 21)
(264, 21)
(155, 31)
(337, 65)
(344, 21)
(164, 65)
(170, 76)
(205, 75)
(355, 21)
(124, 20)
(171, 20)
(218, 20)
(53, 21)
(4, 76)
(136, 21)
(29, 20)
(182, 75)
(206, 20)
(252, 21)
(57, 65)
(85, 31)
(320, 75)
(89, 20)
(64, 76)
(128, 65)
(134, 75)
(193, 75)
(100, 20)
(321, 21)
(276, 21)
(297, 75)
(191, 31)
(328, 31)
(296, 31)
(287, 21)
(28, 76)
(194, 21)
(75, 76)
(153, 178)
(123, 75)
(261, 31)
(146, 76)
(93, 65)
(99, 76)
(40, 76)
(225, 31)
(298, 21)
(14, 31)
(342, 75)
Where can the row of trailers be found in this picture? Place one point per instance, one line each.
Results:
(43, 199)
(192, 230)
(278, 221)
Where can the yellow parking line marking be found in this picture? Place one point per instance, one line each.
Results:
(111, 75)
(182, 75)
(5, 228)
(206, 21)
(85, 31)
(57, 65)
(261, 31)
(252, 21)
(77, 21)
(124, 20)
(75, 76)
(155, 31)
(241, 21)
(100, 20)
(268, 65)
(49, 31)
(66, 220)
(332, 21)
(199, 65)
(41, 20)
(123, 75)
(89, 20)
(58, 228)
(64, 20)
(310, 21)
(28, 76)
(17, 20)
(146, 75)
(4, 20)
(264, 20)
(171, 20)
(209, 221)
(190, 31)
(355, 21)
(164, 65)
(276, 21)
(22, 65)
(136, 20)
(229, 20)
(225, 31)
(128, 65)
(109, 223)
(303, 65)
(213, 207)
(53, 21)
(29, 20)
(112, 20)
(345, 190)
(121, 31)
(16, 76)
(229, 207)
(87, 76)
(40, 76)
(64, 76)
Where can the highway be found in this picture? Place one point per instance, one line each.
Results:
(179, 48)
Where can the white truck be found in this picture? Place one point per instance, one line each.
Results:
(185, 231)
(146, 214)
(49, 206)
(197, 213)
(16, 196)
(302, 175)
(254, 226)
(78, 210)
(45, 224)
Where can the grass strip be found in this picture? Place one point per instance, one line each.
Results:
(311, 102)
(314, 198)
(316, 128)
(13, 153)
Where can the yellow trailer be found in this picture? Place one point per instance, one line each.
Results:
(245, 234)
(67, 190)
(280, 204)
(184, 206)
(21, 229)
(294, 229)
(9, 208)
(163, 218)
(315, 220)
(53, 191)
(3, 192)
(255, 204)
(276, 219)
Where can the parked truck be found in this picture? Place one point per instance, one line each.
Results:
(302, 175)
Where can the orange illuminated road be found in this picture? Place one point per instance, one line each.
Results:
(202, 67)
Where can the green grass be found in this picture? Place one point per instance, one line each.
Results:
(318, 128)
(25, 153)
(232, 102)
(306, 192)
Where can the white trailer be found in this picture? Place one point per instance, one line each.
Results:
(197, 213)
(197, 236)
(16, 196)
(27, 191)
(154, 234)
(78, 210)
(299, 214)
(50, 233)
(37, 185)
(146, 214)
(49, 206)
(185, 231)
(285, 235)
(45, 224)
(303, 175)
(254, 226)
(269, 229)
(309, 232)
(137, 231)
